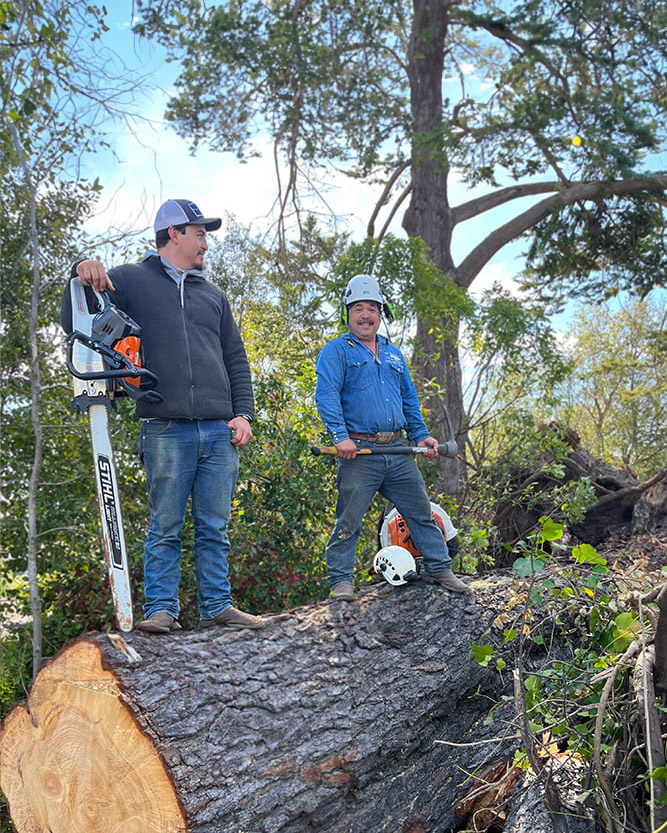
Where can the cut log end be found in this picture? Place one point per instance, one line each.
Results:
(73, 758)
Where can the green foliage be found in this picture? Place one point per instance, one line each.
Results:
(605, 251)
(284, 502)
(617, 391)
(292, 70)
(337, 84)
(575, 594)
(515, 361)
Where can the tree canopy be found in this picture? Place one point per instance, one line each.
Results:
(554, 111)
(489, 93)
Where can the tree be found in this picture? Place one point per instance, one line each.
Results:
(56, 89)
(555, 111)
(617, 394)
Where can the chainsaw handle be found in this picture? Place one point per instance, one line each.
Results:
(124, 366)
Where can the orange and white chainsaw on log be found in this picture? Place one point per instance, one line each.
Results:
(399, 561)
(104, 358)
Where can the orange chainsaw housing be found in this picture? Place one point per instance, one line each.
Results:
(130, 347)
(400, 534)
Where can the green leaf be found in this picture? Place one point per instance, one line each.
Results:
(532, 683)
(482, 654)
(586, 554)
(528, 566)
(552, 531)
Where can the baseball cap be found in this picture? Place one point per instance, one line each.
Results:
(183, 213)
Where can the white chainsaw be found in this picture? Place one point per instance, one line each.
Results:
(103, 356)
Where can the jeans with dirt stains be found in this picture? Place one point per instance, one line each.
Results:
(397, 478)
(188, 459)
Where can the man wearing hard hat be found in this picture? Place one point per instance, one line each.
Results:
(367, 400)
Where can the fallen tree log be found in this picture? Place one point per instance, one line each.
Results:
(338, 718)
(326, 720)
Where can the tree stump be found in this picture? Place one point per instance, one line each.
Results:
(325, 720)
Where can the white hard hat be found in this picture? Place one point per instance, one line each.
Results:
(362, 288)
(395, 564)
(365, 288)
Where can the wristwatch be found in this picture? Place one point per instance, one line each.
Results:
(245, 416)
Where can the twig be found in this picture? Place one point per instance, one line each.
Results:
(614, 823)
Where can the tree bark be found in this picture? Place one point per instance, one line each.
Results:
(35, 393)
(660, 667)
(429, 217)
(326, 720)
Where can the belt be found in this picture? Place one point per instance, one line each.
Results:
(381, 438)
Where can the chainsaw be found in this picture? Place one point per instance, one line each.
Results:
(104, 357)
(398, 560)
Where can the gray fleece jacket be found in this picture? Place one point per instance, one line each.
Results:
(189, 340)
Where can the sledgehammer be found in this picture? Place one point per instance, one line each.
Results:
(449, 449)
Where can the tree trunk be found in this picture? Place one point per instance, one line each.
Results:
(329, 719)
(335, 718)
(35, 393)
(428, 216)
(439, 360)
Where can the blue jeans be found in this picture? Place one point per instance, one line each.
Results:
(397, 478)
(188, 458)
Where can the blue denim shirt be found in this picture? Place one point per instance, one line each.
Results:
(357, 391)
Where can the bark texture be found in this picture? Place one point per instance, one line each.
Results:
(325, 720)
(429, 216)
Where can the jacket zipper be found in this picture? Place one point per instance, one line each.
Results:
(181, 290)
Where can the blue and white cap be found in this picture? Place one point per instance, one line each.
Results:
(183, 213)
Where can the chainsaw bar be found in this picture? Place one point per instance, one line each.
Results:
(91, 396)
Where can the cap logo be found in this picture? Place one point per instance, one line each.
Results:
(195, 211)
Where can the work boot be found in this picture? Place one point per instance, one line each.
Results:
(233, 618)
(160, 622)
(343, 592)
(449, 581)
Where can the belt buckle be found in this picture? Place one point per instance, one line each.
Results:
(384, 437)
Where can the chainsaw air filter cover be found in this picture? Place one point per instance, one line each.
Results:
(396, 565)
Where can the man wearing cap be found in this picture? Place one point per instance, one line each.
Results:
(190, 440)
(366, 399)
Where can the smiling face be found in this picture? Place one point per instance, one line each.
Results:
(364, 320)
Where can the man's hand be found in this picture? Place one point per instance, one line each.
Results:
(242, 431)
(92, 273)
(432, 444)
(347, 449)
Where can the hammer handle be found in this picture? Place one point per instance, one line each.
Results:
(449, 449)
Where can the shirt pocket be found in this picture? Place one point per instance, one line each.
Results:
(395, 378)
(359, 374)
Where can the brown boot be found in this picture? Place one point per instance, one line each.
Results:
(343, 592)
(160, 622)
(449, 581)
(233, 618)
